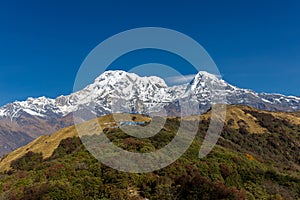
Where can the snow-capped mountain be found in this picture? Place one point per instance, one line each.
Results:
(119, 91)
(143, 95)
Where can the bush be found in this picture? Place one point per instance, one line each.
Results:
(27, 162)
(66, 146)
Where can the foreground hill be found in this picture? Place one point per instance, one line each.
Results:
(46, 144)
(257, 157)
(119, 91)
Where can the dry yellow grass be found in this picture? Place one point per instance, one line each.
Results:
(44, 144)
(291, 117)
(237, 113)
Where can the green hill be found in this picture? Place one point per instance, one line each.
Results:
(257, 157)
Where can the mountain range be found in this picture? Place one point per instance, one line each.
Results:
(120, 91)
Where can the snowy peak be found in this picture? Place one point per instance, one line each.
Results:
(206, 80)
(203, 75)
(115, 78)
(112, 85)
(123, 84)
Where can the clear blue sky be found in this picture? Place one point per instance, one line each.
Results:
(255, 44)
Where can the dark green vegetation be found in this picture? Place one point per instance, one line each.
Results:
(243, 165)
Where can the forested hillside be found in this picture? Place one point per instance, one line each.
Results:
(257, 157)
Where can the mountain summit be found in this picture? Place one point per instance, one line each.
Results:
(120, 91)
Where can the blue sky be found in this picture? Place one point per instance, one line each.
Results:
(255, 44)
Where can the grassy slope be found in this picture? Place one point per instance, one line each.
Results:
(46, 144)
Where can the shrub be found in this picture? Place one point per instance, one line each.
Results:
(27, 162)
